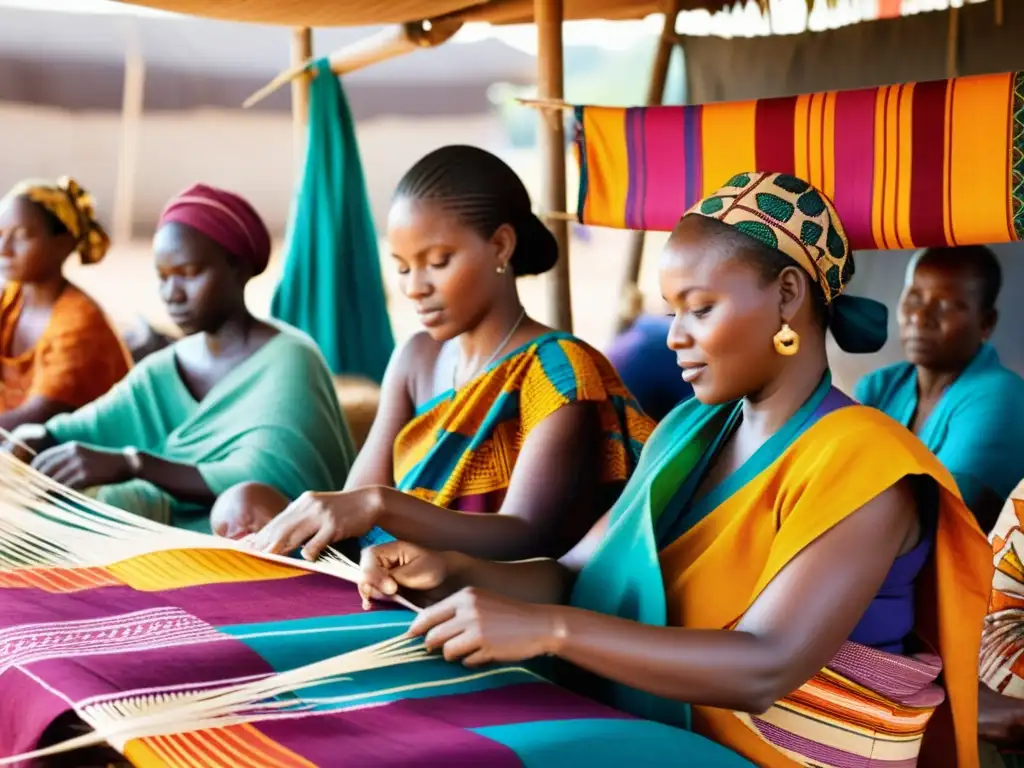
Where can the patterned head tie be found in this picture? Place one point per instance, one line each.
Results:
(791, 216)
(73, 207)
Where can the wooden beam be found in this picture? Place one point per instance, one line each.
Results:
(302, 51)
(628, 291)
(551, 144)
(132, 104)
(387, 44)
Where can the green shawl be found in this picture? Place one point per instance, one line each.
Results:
(274, 419)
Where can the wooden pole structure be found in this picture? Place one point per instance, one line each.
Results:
(302, 49)
(628, 292)
(132, 103)
(551, 143)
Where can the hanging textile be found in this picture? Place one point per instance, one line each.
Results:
(331, 286)
(908, 166)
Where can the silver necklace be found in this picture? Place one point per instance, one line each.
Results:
(494, 355)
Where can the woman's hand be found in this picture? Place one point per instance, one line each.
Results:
(78, 466)
(398, 564)
(316, 520)
(479, 627)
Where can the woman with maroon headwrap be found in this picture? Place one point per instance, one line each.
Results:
(238, 399)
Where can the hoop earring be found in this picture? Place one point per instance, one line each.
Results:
(501, 269)
(787, 341)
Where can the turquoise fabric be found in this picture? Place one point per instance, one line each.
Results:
(859, 325)
(977, 428)
(331, 285)
(274, 419)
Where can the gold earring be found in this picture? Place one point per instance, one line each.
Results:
(787, 341)
(502, 268)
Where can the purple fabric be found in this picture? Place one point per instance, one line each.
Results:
(417, 732)
(889, 618)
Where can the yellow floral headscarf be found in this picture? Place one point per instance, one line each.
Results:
(74, 208)
(789, 215)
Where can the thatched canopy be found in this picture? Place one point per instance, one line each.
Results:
(331, 13)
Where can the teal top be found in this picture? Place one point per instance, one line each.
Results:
(977, 427)
(274, 419)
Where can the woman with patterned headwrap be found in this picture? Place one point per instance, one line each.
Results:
(798, 568)
(238, 399)
(58, 350)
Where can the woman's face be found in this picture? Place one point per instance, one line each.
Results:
(199, 285)
(29, 252)
(942, 320)
(445, 268)
(725, 315)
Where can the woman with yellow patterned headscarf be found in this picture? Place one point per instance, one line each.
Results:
(58, 351)
(790, 574)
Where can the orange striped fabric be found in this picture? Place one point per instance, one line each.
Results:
(907, 166)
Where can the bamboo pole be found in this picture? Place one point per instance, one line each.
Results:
(132, 104)
(628, 291)
(551, 144)
(302, 51)
(387, 44)
(953, 43)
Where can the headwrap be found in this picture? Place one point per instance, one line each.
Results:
(791, 216)
(74, 208)
(225, 218)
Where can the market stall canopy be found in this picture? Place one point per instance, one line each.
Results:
(325, 13)
(318, 13)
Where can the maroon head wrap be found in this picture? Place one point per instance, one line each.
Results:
(225, 218)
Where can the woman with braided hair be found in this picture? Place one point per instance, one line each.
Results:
(486, 410)
(58, 350)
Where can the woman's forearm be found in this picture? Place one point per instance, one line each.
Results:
(533, 581)
(491, 536)
(729, 669)
(182, 481)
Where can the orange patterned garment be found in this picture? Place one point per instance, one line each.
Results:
(76, 359)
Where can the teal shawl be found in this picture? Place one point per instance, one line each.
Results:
(977, 428)
(274, 419)
(331, 285)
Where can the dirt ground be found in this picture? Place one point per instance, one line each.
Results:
(125, 284)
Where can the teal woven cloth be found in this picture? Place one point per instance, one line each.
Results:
(331, 285)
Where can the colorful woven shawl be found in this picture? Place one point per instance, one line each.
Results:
(1002, 641)
(915, 165)
(461, 448)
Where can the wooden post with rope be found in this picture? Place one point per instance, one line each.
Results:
(302, 50)
(551, 143)
(630, 301)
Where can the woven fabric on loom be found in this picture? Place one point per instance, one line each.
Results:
(186, 620)
(908, 166)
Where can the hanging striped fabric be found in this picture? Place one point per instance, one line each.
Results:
(908, 166)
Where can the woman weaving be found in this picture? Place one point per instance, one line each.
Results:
(58, 350)
(236, 399)
(487, 411)
(780, 553)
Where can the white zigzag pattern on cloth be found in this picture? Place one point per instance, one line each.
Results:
(137, 631)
